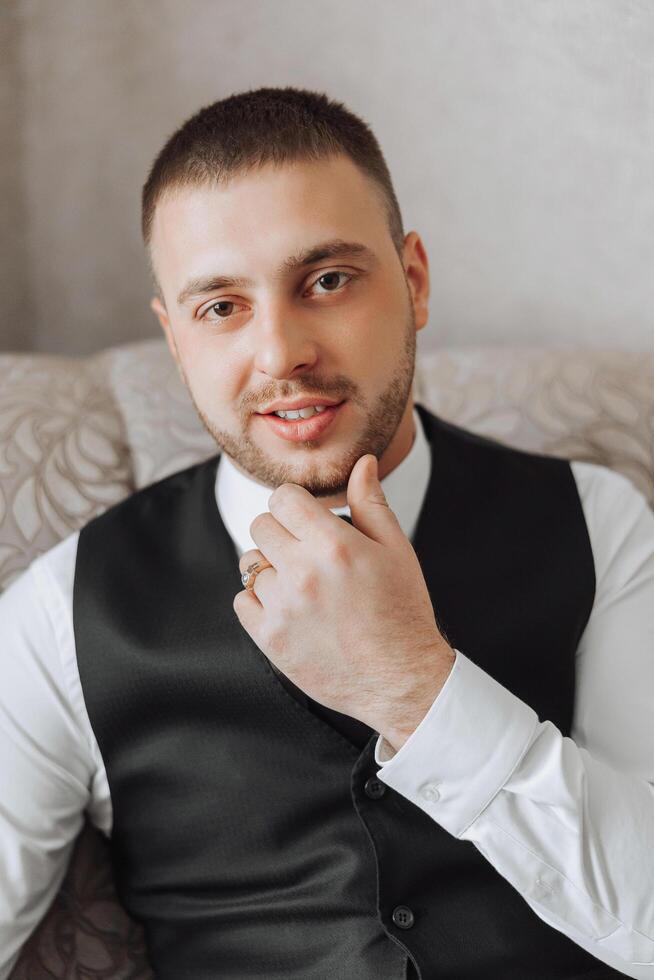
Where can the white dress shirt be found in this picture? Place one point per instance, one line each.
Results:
(568, 821)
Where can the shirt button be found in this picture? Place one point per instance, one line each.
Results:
(403, 917)
(374, 788)
(429, 792)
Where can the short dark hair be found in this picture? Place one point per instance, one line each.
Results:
(260, 126)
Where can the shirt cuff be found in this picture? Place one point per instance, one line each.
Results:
(464, 749)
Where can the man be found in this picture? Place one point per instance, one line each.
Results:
(359, 763)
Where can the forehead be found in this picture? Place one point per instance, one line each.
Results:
(248, 224)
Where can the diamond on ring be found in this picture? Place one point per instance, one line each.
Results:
(251, 572)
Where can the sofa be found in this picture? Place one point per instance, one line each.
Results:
(77, 435)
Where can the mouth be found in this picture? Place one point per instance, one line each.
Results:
(302, 429)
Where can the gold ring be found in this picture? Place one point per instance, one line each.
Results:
(251, 572)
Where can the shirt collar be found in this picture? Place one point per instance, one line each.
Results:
(240, 498)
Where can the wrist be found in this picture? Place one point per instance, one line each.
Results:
(409, 710)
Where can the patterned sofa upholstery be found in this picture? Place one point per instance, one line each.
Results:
(79, 434)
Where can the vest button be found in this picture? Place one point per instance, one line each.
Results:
(403, 917)
(374, 788)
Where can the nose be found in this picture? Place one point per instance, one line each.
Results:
(283, 344)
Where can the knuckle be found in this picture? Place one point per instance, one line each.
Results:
(306, 582)
(274, 639)
(378, 497)
(337, 552)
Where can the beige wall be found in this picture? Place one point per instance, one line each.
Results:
(520, 134)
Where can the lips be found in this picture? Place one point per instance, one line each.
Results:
(293, 406)
(303, 430)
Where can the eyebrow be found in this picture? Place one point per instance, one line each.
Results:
(316, 253)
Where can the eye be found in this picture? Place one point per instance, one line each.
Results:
(331, 275)
(210, 309)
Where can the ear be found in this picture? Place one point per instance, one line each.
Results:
(416, 270)
(159, 310)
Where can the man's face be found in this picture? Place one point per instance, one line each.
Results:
(340, 330)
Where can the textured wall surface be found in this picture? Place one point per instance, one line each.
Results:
(520, 135)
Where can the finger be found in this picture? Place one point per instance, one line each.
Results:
(369, 507)
(264, 585)
(249, 611)
(274, 540)
(249, 558)
(301, 514)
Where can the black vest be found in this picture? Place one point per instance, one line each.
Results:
(248, 836)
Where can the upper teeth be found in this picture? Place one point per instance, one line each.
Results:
(301, 413)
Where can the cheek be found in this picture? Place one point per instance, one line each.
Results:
(216, 376)
(375, 340)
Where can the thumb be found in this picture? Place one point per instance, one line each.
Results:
(367, 501)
